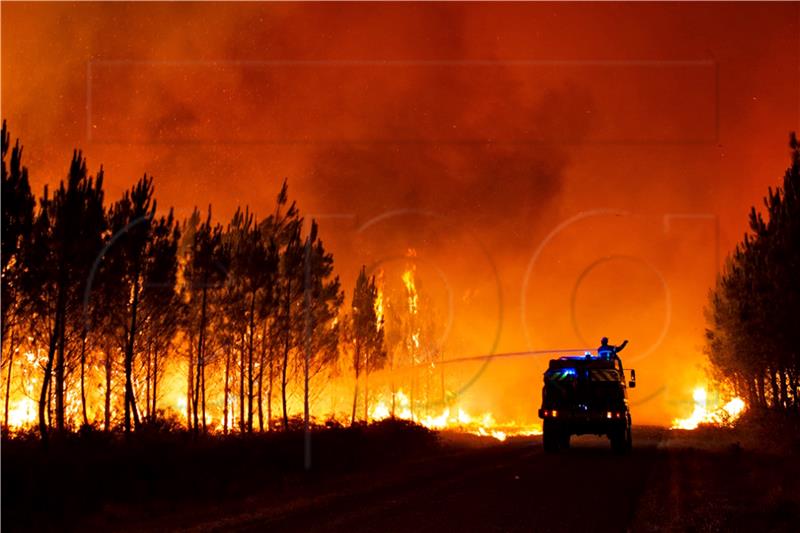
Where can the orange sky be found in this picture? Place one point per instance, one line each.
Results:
(467, 132)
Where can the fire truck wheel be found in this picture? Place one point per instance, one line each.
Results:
(550, 437)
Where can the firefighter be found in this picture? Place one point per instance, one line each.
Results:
(609, 351)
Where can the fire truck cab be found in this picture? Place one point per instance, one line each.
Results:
(586, 395)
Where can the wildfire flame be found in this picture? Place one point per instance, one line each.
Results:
(453, 419)
(721, 415)
(411, 289)
(22, 413)
(379, 301)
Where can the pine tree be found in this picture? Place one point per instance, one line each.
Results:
(369, 352)
(66, 238)
(207, 274)
(322, 297)
(161, 306)
(131, 221)
(17, 224)
(752, 341)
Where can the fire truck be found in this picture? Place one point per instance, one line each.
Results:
(586, 395)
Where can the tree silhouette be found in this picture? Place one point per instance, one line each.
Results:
(17, 224)
(290, 292)
(322, 297)
(281, 227)
(111, 295)
(66, 237)
(254, 264)
(369, 352)
(131, 222)
(161, 307)
(207, 272)
(752, 338)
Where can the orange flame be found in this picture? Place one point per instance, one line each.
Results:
(456, 419)
(721, 415)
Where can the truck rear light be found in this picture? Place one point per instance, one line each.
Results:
(609, 414)
(555, 413)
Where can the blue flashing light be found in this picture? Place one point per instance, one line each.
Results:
(569, 371)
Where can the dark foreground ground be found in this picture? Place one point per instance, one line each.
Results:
(708, 480)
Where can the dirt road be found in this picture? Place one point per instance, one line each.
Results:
(667, 483)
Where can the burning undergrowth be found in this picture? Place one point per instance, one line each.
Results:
(711, 410)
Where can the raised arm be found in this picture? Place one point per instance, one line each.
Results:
(622, 346)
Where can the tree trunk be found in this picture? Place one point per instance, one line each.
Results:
(201, 363)
(196, 389)
(241, 384)
(287, 332)
(155, 381)
(11, 349)
(366, 388)
(60, 375)
(283, 379)
(774, 385)
(261, 362)
(107, 398)
(205, 428)
(83, 378)
(784, 402)
(130, 399)
(147, 378)
(762, 395)
(269, 388)
(357, 366)
(190, 385)
(250, 363)
(50, 405)
(226, 390)
(44, 396)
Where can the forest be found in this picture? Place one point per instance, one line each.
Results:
(104, 301)
(753, 339)
(118, 316)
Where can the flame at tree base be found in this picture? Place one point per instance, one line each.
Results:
(722, 416)
(456, 419)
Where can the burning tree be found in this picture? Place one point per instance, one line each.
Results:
(254, 265)
(322, 297)
(17, 224)
(411, 340)
(367, 336)
(102, 300)
(206, 272)
(141, 270)
(65, 239)
(161, 308)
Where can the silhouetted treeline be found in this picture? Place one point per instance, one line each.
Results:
(120, 291)
(753, 338)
